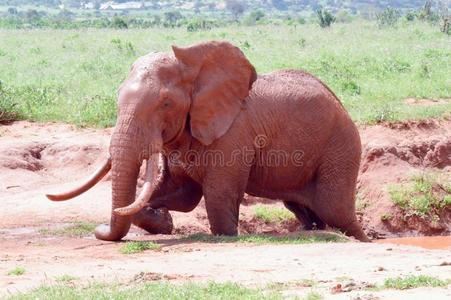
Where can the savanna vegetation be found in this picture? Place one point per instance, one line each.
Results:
(268, 239)
(425, 196)
(149, 291)
(72, 75)
(372, 55)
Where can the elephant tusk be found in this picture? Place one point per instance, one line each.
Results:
(147, 190)
(89, 183)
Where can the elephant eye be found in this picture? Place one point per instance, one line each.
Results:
(166, 103)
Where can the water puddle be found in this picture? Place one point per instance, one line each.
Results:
(427, 242)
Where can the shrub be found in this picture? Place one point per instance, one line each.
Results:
(119, 23)
(427, 14)
(410, 16)
(343, 17)
(172, 18)
(200, 24)
(325, 18)
(388, 17)
(254, 17)
(445, 25)
(237, 8)
(12, 10)
(301, 20)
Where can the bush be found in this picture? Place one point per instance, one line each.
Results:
(119, 23)
(172, 18)
(325, 18)
(427, 14)
(200, 24)
(410, 16)
(343, 17)
(254, 17)
(445, 26)
(388, 17)
(301, 20)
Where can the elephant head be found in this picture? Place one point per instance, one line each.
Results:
(199, 89)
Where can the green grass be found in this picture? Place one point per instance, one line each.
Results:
(410, 282)
(17, 271)
(65, 278)
(267, 239)
(78, 229)
(72, 75)
(270, 214)
(168, 291)
(427, 194)
(138, 246)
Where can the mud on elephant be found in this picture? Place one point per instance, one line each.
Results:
(222, 131)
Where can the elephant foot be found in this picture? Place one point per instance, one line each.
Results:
(154, 221)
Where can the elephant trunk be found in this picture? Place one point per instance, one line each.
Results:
(127, 152)
(151, 181)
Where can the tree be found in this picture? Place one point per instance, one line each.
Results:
(325, 18)
(254, 17)
(66, 15)
(32, 14)
(172, 17)
(118, 22)
(237, 8)
(279, 4)
(12, 11)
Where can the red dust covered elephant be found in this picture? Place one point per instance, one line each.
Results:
(221, 131)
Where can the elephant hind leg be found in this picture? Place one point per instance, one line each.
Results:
(337, 209)
(335, 188)
(305, 215)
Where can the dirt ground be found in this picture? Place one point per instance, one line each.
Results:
(38, 158)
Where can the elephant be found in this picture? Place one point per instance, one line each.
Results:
(208, 126)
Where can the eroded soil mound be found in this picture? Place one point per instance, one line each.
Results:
(37, 158)
(396, 157)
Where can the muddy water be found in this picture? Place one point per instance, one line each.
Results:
(427, 242)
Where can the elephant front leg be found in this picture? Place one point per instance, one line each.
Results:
(222, 201)
(155, 217)
(154, 221)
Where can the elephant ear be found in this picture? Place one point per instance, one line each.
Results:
(220, 77)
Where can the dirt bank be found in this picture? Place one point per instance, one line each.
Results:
(37, 158)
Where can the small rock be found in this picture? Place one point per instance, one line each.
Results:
(336, 289)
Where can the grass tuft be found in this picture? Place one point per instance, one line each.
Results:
(138, 246)
(410, 282)
(65, 278)
(267, 239)
(427, 194)
(17, 271)
(78, 229)
(270, 214)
